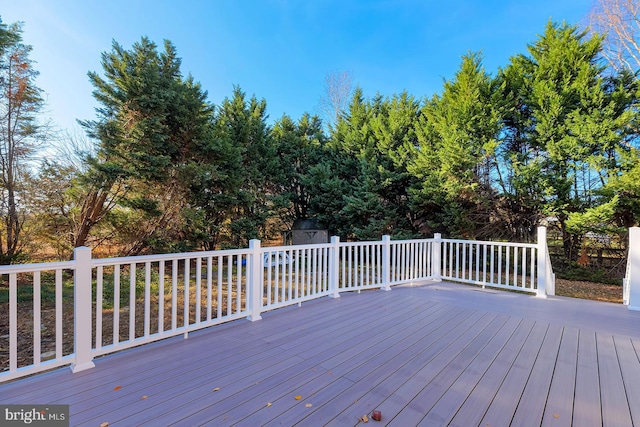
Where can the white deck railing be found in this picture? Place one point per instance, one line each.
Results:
(294, 274)
(501, 265)
(43, 355)
(523, 267)
(119, 303)
(186, 292)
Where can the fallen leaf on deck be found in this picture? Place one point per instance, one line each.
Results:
(298, 397)
(268, 404)
(144, 397)
(104, 424)
(216, 389)
(556, 416)
(117, 387)
(364, 419)
(308, 405)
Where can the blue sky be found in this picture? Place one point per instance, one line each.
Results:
(280, 50)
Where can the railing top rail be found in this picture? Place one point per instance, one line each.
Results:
(411, 241)
(492, 243)
(96, 262)
(42, 266)
(356, 244)
(292, 247)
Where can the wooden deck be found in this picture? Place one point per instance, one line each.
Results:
(437, 354)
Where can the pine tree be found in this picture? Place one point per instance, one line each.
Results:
(376, 141)
(241, 124)
(299, 147)
(150, 127)
(455, 160)
(571, 120)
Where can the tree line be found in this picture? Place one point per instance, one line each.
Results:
(552, 138)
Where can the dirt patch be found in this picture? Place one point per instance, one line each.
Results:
(589, 290)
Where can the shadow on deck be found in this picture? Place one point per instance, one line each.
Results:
(437, 354)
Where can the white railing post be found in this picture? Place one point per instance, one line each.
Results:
(436, 263)
(254, 281)
(386, 263)
(334, 270)
(82, 308)
(550, 284)
(633, 275)
(541, 272)
(625, 281)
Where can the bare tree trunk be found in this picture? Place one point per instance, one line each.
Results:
(20, 101)
(93, 210)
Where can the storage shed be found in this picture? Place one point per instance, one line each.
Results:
(307, 231)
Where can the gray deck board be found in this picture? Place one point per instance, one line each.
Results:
(185, 393)
(615, 408)
(394, 365)
(534, 398)
(506, 400)
(559, 404)
(453, 399)
(630, 367)
(587, 410)
(427, 385)
(479, 399)
(437, 354)
(417, 354)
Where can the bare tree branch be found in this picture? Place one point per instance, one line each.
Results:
(338, 86)
(619, 21)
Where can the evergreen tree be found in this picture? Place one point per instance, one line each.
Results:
(455, 159)
(251, 170)
(572, 120)
(377, 140)
(328, 184)
(150, 126)
(614, 205)
(300, 147)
